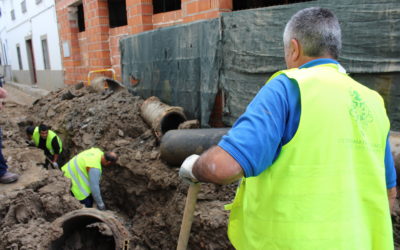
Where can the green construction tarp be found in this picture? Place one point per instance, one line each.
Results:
(186, 65)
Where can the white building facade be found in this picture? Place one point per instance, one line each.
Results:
(30, 42)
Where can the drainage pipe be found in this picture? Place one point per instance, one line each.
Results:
(160, 116)
(76, 221)
(176, 145)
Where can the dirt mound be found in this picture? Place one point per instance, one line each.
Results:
(147, 195)
(28, 206)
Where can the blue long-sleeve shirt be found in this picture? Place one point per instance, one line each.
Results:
(274, 116)
(94, 183)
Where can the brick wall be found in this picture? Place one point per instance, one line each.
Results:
(97, 47)
(115, 35)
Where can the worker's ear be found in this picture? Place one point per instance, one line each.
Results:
(295, 50)
(292, 54)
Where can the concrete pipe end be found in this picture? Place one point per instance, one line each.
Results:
(160, 116)
(89, 228)
(171, 121)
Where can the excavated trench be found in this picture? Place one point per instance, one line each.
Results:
(144, 196)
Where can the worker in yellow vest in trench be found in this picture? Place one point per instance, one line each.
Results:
(84, 170)
(311, 150)
(49, 142)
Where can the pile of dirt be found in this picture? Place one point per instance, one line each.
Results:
(28, 206)
(145, 193)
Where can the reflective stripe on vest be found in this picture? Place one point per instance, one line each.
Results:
(76, 179)
(326, 189)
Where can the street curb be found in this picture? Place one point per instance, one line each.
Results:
(31, 90)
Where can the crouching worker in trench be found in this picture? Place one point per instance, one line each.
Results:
(85, 170)
(49, 141)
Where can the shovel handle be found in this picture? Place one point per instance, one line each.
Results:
(188, 215)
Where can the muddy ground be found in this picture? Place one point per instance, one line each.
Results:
(141, 191)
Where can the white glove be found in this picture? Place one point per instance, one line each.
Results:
(55, 164)
(185, 172)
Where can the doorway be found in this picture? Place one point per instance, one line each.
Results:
(31, 61)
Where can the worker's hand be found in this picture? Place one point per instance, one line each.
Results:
(185, 172)
(3, 93)
(30, 143)
(55, 165)
(101, 207)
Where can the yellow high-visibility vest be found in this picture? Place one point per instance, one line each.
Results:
(326, 190)
(51, 134)
(75, 170)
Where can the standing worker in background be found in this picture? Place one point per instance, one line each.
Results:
(49, 141)
(85, 170)
(313, 149)
(5, 176)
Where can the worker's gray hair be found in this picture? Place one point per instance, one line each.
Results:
(317, 30)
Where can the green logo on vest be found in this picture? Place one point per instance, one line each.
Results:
(359, 111)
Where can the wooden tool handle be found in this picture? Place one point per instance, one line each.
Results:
(188, 214)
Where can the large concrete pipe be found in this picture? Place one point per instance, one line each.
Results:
(90, 228)
(176, 145)
(160, 116)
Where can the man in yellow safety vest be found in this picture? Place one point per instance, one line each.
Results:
(312, 152)
(49, 142)
(85, 170)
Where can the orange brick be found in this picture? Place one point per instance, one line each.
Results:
(212, 14)
(131, 2)
(99, 62)
(137, 29)
(158, 18)
(99, 46)
(192, 8)
(99, 54)
(114, 43)
(74, 43)
(225, 4)
(71, 63)
(133, 11)
(134, 20)
(102, 5)
(204, 5)
(147, 19)
(146, 8)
